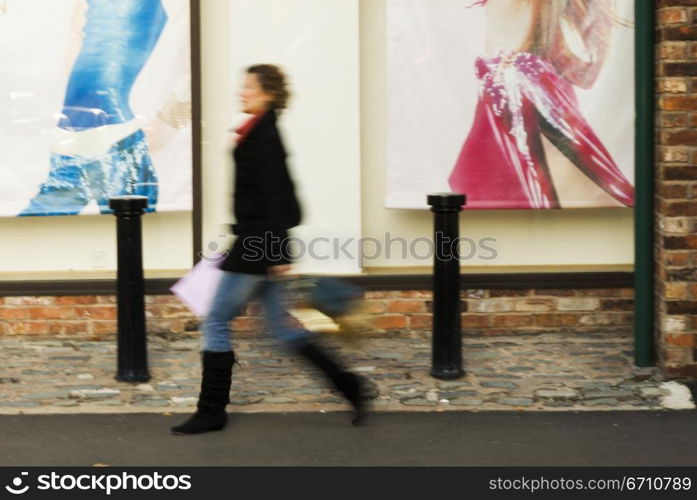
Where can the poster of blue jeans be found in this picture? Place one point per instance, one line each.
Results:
(96, 102)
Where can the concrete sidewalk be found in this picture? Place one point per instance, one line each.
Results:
(549, 372)
(624, 438)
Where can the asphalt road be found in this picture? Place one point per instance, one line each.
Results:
(388, 439)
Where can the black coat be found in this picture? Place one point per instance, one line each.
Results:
(265, 205)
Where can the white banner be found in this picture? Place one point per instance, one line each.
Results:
(316, 43)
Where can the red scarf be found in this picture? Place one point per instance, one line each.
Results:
(247, 127)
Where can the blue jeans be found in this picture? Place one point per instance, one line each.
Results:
(234, 291)
(118, 38)
(74, 180)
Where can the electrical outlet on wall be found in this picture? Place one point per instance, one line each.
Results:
(98, 259)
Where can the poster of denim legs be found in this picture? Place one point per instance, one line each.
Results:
(519, 104)
(96, 102)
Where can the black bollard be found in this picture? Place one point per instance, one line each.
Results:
(131, 344)
(447, 336)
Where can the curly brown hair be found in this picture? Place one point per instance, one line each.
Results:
(273, 81)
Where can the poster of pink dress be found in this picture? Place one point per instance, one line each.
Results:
(518, 104)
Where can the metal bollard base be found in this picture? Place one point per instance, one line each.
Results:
(447, 374)
(134, 375)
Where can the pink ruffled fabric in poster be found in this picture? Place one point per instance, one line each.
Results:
(523, 97)
(502, 163)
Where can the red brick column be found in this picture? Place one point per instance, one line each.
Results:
(676, 187)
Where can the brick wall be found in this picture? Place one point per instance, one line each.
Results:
(676, 187)
(484, 312)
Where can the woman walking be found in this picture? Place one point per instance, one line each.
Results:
(265, 207)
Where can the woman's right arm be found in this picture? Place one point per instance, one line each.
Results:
(590, 22)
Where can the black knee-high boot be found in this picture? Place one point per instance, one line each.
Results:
(349, 384)
(214, 395)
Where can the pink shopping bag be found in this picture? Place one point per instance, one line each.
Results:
(197, 288)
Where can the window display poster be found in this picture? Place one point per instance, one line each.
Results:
(96, 102)
(517, 104)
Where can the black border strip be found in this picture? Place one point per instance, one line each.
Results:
(500, 280)
(645, 324)
(161, 286)
(196, 114)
